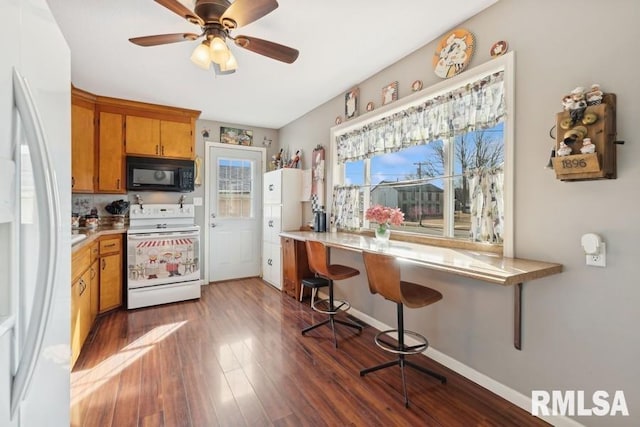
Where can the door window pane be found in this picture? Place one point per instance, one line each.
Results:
(235, 188)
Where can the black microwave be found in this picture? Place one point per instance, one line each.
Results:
(153, 174)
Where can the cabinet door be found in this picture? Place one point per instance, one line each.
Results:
(142, 136)
(110, 154)
(289, 267)
(82, 149)
(110, 282)
(85, 306)
(272, 186)
(94, 289)
(176, 139)
(271, 229)
(75, 323)
(271, 264)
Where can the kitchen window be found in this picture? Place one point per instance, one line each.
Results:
(443, 156)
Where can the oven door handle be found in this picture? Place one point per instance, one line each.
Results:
(150, 236)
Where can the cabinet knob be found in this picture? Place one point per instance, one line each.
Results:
(269, 261)
(270, 187)
(271, 223)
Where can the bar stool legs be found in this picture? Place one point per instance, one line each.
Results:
(332, 309)
(401, 349)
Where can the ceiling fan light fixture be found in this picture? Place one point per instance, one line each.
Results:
(200, 55)
(230, 65)
(219, 52)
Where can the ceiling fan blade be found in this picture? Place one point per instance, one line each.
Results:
(267, 48)
(163, 39)
(178, 8)
(243, 12)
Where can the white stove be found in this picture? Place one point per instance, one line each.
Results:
(163, 254)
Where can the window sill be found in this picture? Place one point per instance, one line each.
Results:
(435, 241)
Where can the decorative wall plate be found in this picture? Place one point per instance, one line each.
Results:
(416, 86)
(453, 53)
(370, 106)
(499, 48)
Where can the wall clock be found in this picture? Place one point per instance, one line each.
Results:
(453, 53)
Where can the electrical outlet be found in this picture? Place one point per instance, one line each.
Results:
(598, 260)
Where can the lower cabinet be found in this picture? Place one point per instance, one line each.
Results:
(110, 273)
(96, 286)
(80, 313)
(271, 271)
(295, 266)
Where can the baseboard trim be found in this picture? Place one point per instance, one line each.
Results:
(507, 393)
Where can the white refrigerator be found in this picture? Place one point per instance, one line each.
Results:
(35, 228)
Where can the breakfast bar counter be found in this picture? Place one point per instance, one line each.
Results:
(483, 266)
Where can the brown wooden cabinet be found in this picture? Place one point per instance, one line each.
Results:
(105, 130)
(94, 271)
(295, 266)
(110, 273)
(82, 141)
(159, 138)
(81, 319)
(111, 161)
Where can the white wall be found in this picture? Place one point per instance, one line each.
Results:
(579, 326)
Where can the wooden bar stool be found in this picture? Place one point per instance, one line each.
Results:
(384, 278)
(318, 256)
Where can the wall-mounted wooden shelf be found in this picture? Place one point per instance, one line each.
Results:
(602, 163)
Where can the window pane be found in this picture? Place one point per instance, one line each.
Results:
(235, 188)
(411, 179)
(354, 173)
(475, 150)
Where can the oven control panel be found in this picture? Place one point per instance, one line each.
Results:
(162, 211)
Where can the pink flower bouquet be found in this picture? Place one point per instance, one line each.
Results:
(384, 215)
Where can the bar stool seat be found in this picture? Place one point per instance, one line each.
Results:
(314, 283)
(317, 254)
(384, 278)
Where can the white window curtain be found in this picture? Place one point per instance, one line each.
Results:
(346, 207)
(477, 105)
(487, 206)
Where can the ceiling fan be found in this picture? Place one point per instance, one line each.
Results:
(217, 18)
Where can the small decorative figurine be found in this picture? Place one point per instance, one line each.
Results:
(587, 146)
(295, 159)
(564, 150)
(277, 159)
(594, 95)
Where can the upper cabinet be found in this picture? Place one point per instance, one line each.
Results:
(159, 138)
(82, 141)
(110, 152)
(105, 130)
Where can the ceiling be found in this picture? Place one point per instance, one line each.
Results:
(341, 43)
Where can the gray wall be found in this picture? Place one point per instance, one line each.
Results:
(579, 326)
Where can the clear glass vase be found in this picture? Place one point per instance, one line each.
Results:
(383, 231)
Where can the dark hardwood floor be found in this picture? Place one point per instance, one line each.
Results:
(236, 357)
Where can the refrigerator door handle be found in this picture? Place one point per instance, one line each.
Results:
(48, 203)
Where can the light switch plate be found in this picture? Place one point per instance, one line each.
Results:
(197, 201)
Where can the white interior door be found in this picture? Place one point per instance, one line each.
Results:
(234, 224)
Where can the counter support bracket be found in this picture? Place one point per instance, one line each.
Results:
(517, 313)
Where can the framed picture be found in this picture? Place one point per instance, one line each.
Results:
(351, 103)
(236, 136)
(390, 93)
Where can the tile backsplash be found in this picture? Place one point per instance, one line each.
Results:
(83, 203)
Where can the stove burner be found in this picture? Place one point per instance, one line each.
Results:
(161, 225)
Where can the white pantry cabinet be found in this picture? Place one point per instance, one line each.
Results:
(282, 212)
